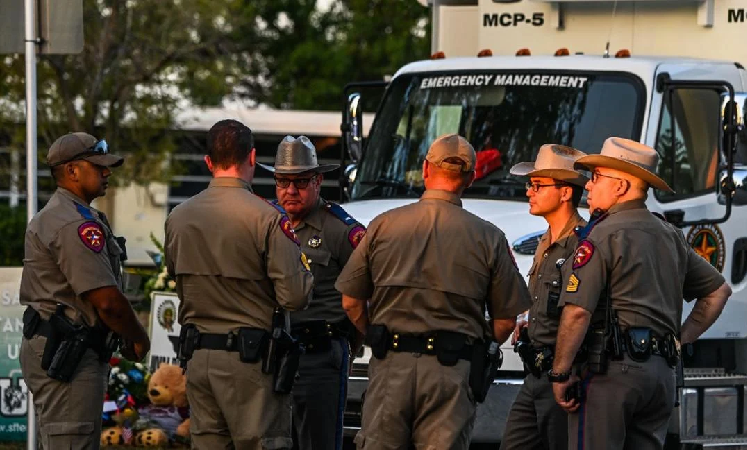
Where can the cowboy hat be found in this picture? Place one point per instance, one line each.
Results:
(297, 155)
(627, 156)
(553, 161)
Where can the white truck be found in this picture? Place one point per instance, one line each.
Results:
(512, 75)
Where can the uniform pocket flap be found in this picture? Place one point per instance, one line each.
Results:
(317, 256)
(68, 428)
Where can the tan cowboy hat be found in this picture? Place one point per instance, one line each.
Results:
(297, 155)
(553, 161)
(630, 157)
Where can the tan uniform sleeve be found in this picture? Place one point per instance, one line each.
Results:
(82, 258)
(355, 280)
(168, 248)
(508, 294)
(287, 266)
(701, 278)
(584, 276)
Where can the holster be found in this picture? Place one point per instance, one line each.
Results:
(287, 366)
(69, 341)
(189, 339)
(596, 350)
(379, 339)
(671, 348)
(486, 360)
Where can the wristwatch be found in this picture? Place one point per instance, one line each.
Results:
(555, 377)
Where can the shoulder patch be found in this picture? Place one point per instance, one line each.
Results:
(337, 211)
(573, 283)
(355, 235)
(285, 226)
(92, 236)
(584, 252)
(85, 212)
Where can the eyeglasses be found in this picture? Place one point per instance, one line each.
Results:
(595, 176)
(535, 187)
(299, 183)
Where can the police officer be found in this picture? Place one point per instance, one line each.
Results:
(623, 299)
(536, 421)
(328, 236)
(418, 285)
(72, 284)
(236, 259)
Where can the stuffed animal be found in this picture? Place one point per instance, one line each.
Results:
(168, 411)
(161, 423)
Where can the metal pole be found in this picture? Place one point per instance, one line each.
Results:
(30, 42)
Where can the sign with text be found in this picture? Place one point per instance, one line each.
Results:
(164, 329)
(13, 391)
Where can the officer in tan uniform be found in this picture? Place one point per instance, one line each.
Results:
(328, 236)
(536, 421)
(236, 259)
(418, 286)
(623, 300)
(71, 283)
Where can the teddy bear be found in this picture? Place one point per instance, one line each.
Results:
(165, 420)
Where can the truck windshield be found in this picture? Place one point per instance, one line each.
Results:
(506, 116)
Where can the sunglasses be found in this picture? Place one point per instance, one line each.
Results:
(299, 183)
(99, 148)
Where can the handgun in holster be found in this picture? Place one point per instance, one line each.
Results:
(283, 355)
(526, 352)
(189, 339)
(71, 341)
(486, 360)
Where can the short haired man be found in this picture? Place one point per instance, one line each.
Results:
(236, 259)
(419, 284)
(72, 278)
(328, 236)
(623, 298)
(554, 189)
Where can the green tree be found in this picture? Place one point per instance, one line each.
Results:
(141, 60)
(297, 56)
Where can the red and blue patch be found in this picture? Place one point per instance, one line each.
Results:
(584, 252)
(92, 236)
(285, 225)
(355, 235)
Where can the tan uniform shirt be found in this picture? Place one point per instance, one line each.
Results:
(234, 258)
(649, 265)
(328, 241)
(545, 282)
(434, 266)
(68, 251)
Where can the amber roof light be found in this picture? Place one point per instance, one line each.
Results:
(562, 52)
(438, 55)
(624, 53)
(524, 52)
(485, 53)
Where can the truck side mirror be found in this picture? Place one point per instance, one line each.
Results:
(353, 132)
(739, 180)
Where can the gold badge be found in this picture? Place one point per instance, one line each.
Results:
(315, 241)
(573, 282)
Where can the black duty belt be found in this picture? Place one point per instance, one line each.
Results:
(213, 341)
(416, 343)
(317, 335)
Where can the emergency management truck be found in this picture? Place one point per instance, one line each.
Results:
(511, 75)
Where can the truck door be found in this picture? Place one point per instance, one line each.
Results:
(692, 144)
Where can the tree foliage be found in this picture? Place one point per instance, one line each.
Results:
(141, 60)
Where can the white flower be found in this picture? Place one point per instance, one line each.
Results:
(139, 366)
(159, 284)
(115, 370)
(111, 381)
(123, 378)
(172, 284)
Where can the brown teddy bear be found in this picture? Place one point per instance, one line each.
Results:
(165, 420)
